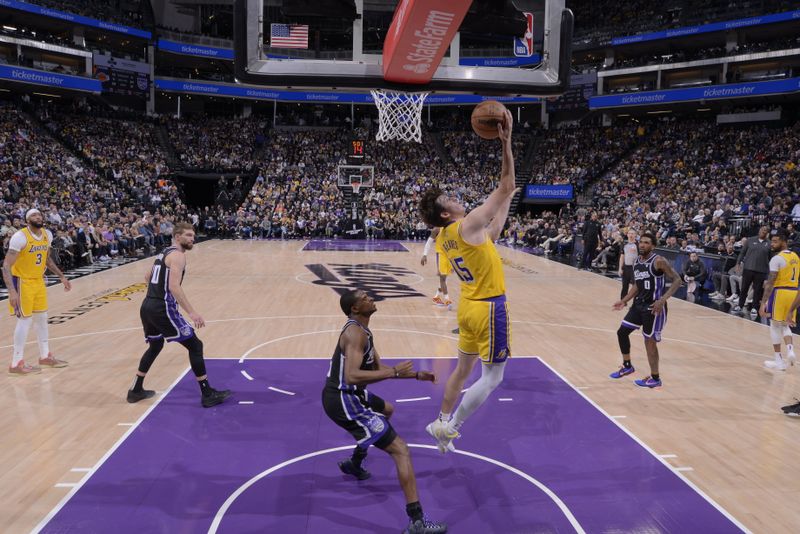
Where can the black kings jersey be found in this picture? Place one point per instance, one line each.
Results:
(649, 280)
(336, 371)
(158, 288)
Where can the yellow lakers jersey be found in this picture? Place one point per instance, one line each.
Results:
(478, 267)
(789, 274)
(32, 259)
(438, 243)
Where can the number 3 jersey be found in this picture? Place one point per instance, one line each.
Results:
(479, 267)
(32, 260)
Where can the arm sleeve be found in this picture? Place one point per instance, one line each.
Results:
(777, 263)
(428, 245)
(18, 242)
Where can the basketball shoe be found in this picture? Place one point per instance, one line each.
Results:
(793, 410)
(425, 526)
(438, 301)
(215, 397)
(136, 396)
(21, 369)
(776, 365)
(648, 382)
(443, 435)
(349, 468)
(52, 362)
(622, 371)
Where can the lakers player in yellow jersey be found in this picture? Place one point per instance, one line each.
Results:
(484, 326)
(443, 267)
(781, 291)
(23, 272)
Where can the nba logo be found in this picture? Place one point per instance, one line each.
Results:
(523, 46)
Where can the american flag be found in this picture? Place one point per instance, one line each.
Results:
(288, 35)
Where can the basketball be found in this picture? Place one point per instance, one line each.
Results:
(485, 117)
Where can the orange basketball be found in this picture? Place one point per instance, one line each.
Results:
(485, 117)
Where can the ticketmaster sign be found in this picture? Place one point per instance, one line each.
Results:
(536, 193)
(713, 92)
(49, 79)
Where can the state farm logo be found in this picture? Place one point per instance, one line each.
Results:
(429, 40)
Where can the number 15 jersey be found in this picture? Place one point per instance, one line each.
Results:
(479, 267)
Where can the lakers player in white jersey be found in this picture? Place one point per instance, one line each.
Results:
(484, 325)
(781, 291)
(23, 272)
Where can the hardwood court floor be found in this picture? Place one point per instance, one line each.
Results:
(717, 414)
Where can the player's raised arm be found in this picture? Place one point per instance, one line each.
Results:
(496, 206)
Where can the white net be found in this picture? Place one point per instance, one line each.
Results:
(399, 115)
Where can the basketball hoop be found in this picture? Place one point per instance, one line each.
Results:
(356, 186)
(399, 115)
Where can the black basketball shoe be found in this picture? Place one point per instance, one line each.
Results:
(425, 526)
(349, 468)
(215, 397)
(136, 396)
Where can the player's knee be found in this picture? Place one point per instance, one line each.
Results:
(156, 344)
(388, 410)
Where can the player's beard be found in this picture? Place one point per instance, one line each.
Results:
(36, 224)
(187, 246)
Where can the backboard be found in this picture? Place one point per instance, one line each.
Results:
(367, 46)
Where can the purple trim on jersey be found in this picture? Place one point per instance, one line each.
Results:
(499, 349)
(183, 329)
(365, 417)
(631, 325)
(658, 326)
(771, 300)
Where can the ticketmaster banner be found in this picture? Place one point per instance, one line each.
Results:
(706, 28)
(548, 193)
(77, 19)
(257, 93)
(194, 50)
(49, 79)
(713, 92)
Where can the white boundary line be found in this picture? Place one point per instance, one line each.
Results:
(413, 399)
(246, 375)
(244, 487)
(105, 457)
(281, 391)
(630, 434)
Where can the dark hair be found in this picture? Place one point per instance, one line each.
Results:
(348, 300)
(651, 237)
(781, 234)
(181, 228)
(429, 208)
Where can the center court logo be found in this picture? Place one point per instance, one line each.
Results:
(381, 281)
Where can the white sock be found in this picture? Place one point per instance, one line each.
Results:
(491, 376)
(437, 294)
(790, 348)
(40, 327)
(778, 357)
(20, 337)
(446, 296)
(444, 417)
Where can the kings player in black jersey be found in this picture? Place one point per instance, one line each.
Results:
(649, 309)
(161, 319)
(354, 365)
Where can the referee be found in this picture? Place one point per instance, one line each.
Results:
(626, 260)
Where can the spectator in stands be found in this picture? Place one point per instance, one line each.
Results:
(694, 273)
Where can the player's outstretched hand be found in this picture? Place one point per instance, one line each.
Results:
(504, 128)
(426, 376)
(197, 319)
(424, 259)
(405, 369)
(617, 306)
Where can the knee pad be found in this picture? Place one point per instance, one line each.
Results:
(776, 332)
(624, 338)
